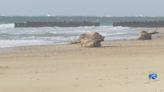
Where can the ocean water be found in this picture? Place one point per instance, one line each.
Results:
(13, 37)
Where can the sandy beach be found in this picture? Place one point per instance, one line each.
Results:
(118, 66)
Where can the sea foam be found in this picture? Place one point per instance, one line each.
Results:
(4, 26)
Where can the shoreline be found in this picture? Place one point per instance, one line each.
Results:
(108, 40)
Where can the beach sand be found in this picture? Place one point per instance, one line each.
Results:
(119, 66)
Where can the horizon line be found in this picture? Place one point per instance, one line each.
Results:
(69, 16)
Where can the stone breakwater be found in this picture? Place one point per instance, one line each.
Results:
(56, 24)
(140, 24)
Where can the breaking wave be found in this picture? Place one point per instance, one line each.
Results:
(6, 26)
(11, 37)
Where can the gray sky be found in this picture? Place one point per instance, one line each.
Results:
(82, 7)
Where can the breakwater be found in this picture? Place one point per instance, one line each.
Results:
(56, 24)
(140, 24)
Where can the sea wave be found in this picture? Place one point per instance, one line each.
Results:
(6, 26)
(15, 43)
(10, 37)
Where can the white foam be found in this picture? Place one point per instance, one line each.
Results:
(15, 43)
(4, 26)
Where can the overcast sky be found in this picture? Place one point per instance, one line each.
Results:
(82, 7)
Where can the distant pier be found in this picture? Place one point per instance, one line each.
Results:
(140, 24)
(56, 24)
